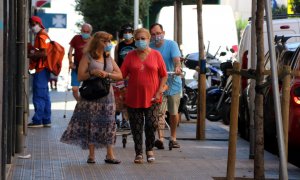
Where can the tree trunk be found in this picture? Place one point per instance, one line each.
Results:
(201, 105)
(258, 117)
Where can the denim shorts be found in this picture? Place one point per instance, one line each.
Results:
(74, 80)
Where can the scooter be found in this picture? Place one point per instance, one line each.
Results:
(218, 99)
(213, 74)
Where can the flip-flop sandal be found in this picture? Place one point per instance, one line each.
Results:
(112, 161)
(91, 161)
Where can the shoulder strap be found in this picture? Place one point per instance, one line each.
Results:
(104, 67)
(46, 34)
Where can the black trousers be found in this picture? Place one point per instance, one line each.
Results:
(140, 119)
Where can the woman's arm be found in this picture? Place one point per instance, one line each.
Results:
(161, 88)
(116, 74)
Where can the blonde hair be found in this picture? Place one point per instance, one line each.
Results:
(94, 46)
(142, 30)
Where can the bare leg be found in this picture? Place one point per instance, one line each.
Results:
(173, 124)
(110, 152)
(91, 151)
(75, 90)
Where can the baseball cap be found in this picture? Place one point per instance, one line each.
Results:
(38, 20)
(127, 28)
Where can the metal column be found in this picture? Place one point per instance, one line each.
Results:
(2, 144)
(275, 86)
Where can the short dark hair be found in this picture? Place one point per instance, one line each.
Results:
(156, 24)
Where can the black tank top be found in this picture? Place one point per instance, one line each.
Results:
(123, 50)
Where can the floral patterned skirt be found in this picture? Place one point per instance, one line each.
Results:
(93, 122)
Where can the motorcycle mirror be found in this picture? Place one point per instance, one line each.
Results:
(222, 53)
(232, 50)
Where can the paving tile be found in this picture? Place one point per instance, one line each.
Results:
(201, 160)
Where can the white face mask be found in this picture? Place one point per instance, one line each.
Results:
(36, 28)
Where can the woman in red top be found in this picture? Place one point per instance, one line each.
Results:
(147, 75)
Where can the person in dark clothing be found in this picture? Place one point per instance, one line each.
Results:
(126, 44)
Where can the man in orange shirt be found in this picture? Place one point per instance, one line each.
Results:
(40, 90)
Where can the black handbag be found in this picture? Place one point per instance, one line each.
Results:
(95, 88)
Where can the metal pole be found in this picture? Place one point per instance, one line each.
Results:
(20, 44)
(278, 115)
(252, 82)
(136, 14)
(179, 23)
(175, 35)
(285, 105)
(2, 145)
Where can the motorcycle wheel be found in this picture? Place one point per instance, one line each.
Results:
(192, 102)
(226, 113)
(211, 112)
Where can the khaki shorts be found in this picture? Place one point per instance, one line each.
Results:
(170, 103)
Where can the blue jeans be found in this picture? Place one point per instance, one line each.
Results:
(41, 98)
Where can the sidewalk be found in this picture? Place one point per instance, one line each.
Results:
(201, 160)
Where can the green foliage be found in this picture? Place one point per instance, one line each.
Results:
(110, 15)
(240, 25)
(296, 6)
(280, 11)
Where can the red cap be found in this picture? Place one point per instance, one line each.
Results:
(38, 20)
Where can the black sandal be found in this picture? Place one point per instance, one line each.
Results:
(91, 160)
(112, 161)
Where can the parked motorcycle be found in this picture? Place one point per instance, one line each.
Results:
(218, 99)
(213, 74)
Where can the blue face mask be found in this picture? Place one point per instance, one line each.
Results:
(157, 39)
(141, 44)
(85, 35)
(108, 47)
(127, 36)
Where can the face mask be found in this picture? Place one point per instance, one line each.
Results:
(157, 39)
(36, 28)
(85, 35)
(108, 48)
(127, 36)
(141, 44)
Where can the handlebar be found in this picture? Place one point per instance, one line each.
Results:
(173, 73)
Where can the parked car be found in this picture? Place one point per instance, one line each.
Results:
(284, 26)
(286, 54)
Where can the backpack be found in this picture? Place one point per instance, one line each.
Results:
(55, 55)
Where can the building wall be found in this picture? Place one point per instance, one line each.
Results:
(242, 8)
